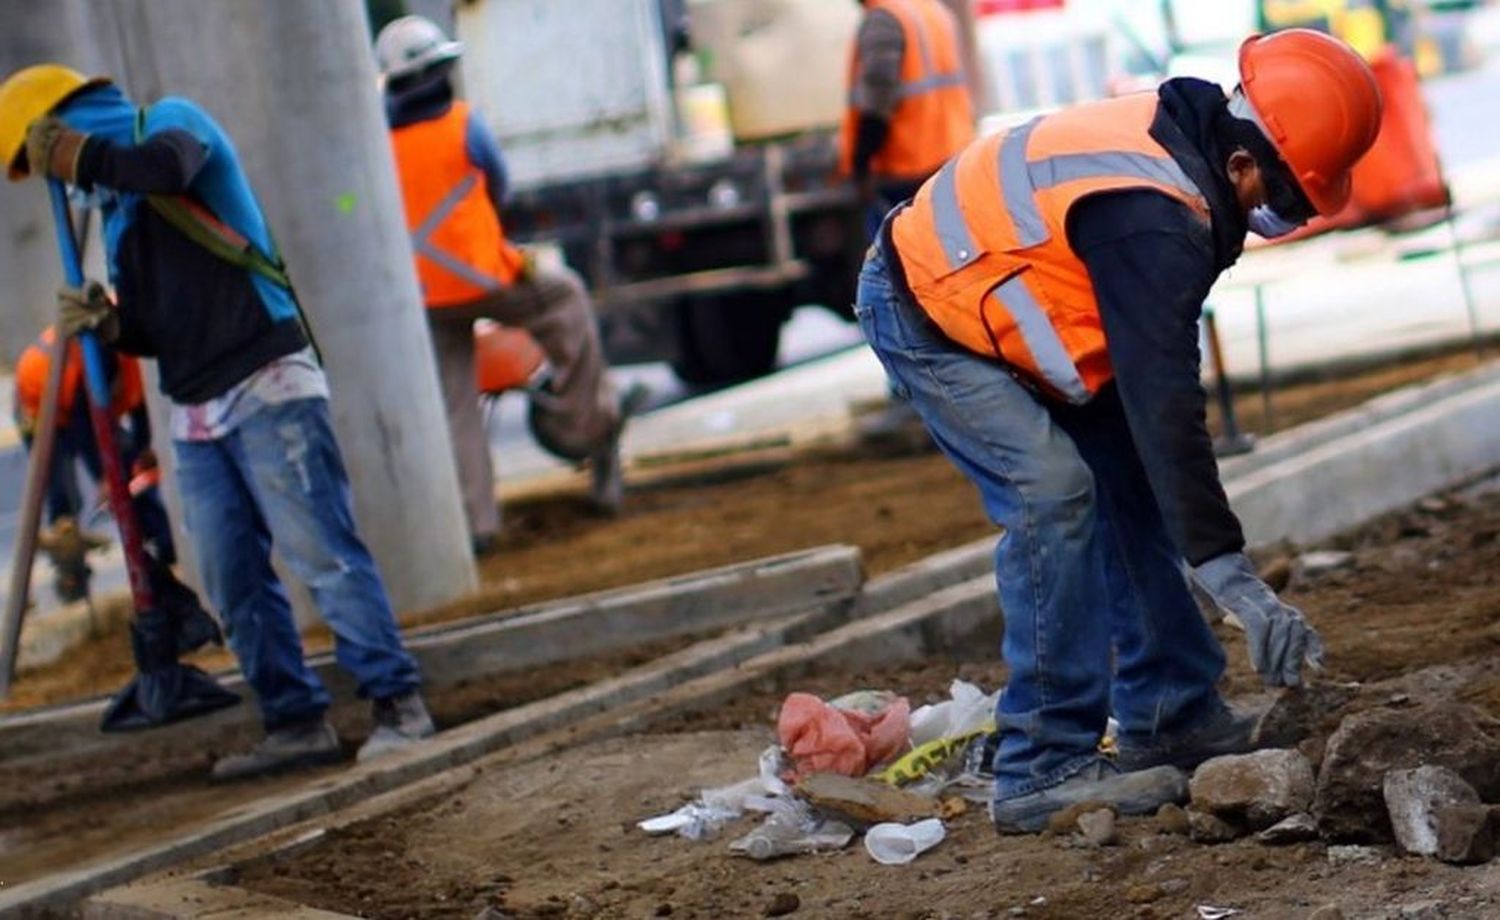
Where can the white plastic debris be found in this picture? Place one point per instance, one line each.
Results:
(892, 844)
(968, 710)
(1209, 912)
(704, 818)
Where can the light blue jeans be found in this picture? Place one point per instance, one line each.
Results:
(1097, 611)
(279, 478)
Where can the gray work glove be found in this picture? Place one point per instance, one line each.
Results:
(89, 308)
(1279, 638)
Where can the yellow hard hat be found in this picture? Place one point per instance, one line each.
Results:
(29, 94)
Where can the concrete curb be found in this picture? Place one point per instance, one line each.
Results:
(1386, 457)
(527, 637)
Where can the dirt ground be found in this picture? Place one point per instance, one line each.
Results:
(896, 508)
(1416, 612)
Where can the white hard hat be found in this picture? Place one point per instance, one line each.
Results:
(410, 45)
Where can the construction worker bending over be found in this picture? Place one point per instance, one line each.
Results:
(66, 540)
(909, 107)
(1038, 304)
(201, 289)
(453, 183)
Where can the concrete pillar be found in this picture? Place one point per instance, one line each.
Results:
(34, 32)
(293, 83)
(963, 10)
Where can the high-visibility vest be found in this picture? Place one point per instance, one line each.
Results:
(984, 245)
(935, 117)
(127, 394)
(462, 253)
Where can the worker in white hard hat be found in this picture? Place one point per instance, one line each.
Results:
(453, 184)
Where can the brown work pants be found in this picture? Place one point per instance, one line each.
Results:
(571, 417)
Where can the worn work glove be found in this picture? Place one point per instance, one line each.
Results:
(89, 308)
(53, 148)
(1280, 639)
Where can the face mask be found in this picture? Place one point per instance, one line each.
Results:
(1267, 224)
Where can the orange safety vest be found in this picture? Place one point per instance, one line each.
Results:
(462, 253)
(984, 244)
(935, 117)
(128, 393)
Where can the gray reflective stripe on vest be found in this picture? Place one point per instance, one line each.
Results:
(421, 237)
(929, 80)
(933, 84)
(1021, 178)
(1069, 167)
(948, 218)
(1015, 185)
(1052, 360)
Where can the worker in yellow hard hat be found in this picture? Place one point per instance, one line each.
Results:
(201, 289)
(1038, 304)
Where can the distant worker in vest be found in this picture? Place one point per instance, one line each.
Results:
(202, 290)
(453, 184)
(909, 106)
(1038, 304)
(67, 539)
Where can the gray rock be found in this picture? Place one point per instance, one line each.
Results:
(1209, 828)
(1430, 909)
(1098, 827)
(1299, 712)
(1257, 789)
(1350, 803)
(1412, 800)
(1299, 828)
(1354, 855)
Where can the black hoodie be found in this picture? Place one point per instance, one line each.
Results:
(1152, 262)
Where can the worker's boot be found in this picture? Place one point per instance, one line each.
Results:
(1136, 793)
(606, 468)
(287, 748)
(400, 723)
(1222, 730)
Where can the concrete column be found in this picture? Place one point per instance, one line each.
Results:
(293, 83)
(964, 11)
(34, 32)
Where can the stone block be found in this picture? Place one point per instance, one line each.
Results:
(1256, 789)
(1350, 805)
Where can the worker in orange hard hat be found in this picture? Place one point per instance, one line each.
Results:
(909, 107)
(65, 539)
(1037, 303)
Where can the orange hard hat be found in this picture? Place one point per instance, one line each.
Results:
(1319, 105)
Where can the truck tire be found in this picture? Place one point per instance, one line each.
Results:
(727, 338)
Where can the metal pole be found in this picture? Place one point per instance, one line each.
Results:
(1470, 306)
(293, 83)
(1232, 441)
(1263, 346)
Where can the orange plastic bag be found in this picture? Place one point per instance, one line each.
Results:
(821, 738)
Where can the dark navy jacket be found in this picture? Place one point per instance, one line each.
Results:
(1152, 263)
(208, 323)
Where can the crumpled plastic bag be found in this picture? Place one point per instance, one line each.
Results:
(968, 710)
(820, 737)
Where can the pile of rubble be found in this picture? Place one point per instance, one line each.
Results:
(1423, 777)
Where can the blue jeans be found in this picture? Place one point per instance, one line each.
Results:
(1087, 574)
(279, 478)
